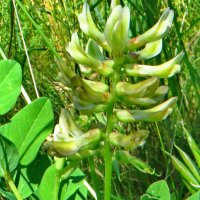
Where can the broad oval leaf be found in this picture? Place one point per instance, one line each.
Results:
(10, 84)
(157, 190)
(9, 156)
(29, 128)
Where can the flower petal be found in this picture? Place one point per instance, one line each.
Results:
(165, 70)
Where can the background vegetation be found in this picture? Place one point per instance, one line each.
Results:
(58, 19)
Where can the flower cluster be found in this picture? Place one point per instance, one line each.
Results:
(124, 60)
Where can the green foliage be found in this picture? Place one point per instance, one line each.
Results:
(31, 126)
(158, 190)
(50, 184)
(188, 169)
(195, 196)
(10, 84)
(9, 156)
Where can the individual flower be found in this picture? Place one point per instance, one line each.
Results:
(157, 113)
(88, 26)
(116, 29)
(164, 70)
(158, 31)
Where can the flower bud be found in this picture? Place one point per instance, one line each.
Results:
(164, 70)
(79, 55)
(131, 141)
(141, 89)
(157, 113)
(126, 158)
(88, 26)
(151, 49)
(158, 31)
(116, 29)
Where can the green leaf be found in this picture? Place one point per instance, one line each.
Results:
(9, 156)
(49, 186)
(31, 176)
(10, 84)
(75, 188)
(183, 170)
(193, 146)
(195, 196)
(75, 182)
(189, 163)
(29, 128)
(158, 190)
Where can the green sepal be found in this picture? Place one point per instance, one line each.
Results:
(83, 154)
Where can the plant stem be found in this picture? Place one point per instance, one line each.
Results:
(109, 128)
(12, 186)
